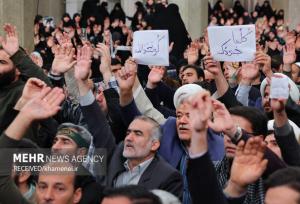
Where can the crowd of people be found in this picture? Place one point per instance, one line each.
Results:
(196, 131)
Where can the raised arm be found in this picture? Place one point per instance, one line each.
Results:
(20, 59)
(284, 133)
(224, 92)
(93, 115)
(202, 178)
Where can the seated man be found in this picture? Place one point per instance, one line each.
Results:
(49, 187)
(176, 131)
(135, 160)
(15, 69)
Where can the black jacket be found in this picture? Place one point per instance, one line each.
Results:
(158, 175)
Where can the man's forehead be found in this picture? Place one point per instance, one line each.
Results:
(183, 107)
(189, 70)
(54, 179)
(139, 125)
(4, 55)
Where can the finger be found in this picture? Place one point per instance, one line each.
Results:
(240, 148)
(72, 64)
(261, 149)
(37, 82)
(50, 97)
(59, 98)
(248, 146)
(79, 54)
(44, 92)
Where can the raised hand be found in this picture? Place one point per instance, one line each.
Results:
(36, 59)
(171, 47)
(249, 72)
(200, 112)
(264, 61)
(105, 58)
(126, 76)
(211, 65)
(249, 163)
(32, 89)
(83, 65)
(200, 109)
(65, 40)
(63, 60)
(11, 42)
(155, 75)
(289, 53)
(222, 121)
(192, 55)
(44, 105)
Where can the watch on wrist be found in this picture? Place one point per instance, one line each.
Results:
(238, 134)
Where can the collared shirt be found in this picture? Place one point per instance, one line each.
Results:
(131, 177)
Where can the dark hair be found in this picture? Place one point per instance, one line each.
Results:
(199, 71)
(37, 18)
(257, 118)
(75, 15)
(289, 177)
(137, 194)
(115, 61)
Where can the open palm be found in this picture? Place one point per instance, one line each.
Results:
(45, 105)
(249, 163)
(63, 60)
(83, 66)
(11, 42)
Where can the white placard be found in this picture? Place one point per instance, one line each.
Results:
(232, 43)
(279, 87)
(151, 47)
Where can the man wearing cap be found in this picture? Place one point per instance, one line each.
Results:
(176, 131)
(71, 139)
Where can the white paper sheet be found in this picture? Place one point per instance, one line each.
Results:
(151, 47)
(279, 87)
(232, 43)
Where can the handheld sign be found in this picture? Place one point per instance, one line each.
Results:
(151, 47)
(232, 43)
(279, 87)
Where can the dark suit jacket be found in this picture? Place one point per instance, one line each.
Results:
(158, 175)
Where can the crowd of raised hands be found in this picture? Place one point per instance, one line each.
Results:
(231, 94)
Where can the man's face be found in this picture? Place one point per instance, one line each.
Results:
(183, 122)
(138, 143)
(272, 145)
(189, 76)
(101, 100)
(282, 194)
(7, 69)
(64, 145)
(115, 68)
(266, 100)
(230, 148)
(56, 189)
(229, 70)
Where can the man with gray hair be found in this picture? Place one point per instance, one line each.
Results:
(134, 161)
